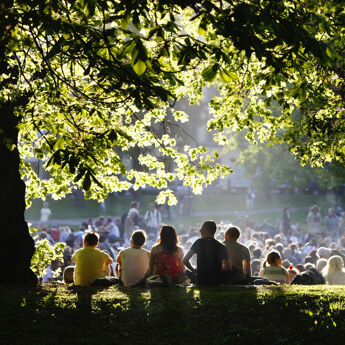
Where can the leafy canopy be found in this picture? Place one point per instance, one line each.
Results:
(99, 78)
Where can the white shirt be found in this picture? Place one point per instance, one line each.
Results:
(134, 264)
(113, 229)
(45, 214)
(48, 275)
(153, 218)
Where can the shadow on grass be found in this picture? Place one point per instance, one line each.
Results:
(54, 314)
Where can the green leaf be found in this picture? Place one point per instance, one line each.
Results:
(95, 180)
(125, 21)
(140, 67)
(227, 76)
(202, 29)
(90, 6)
(136, 21)
(80, 175)
(60, 143)
(112, 135)
(210, 72)
(123, 134)
(294, 92)
(224, 76)
(87, 181)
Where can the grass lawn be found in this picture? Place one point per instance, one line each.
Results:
(53, 314)
(217, 207)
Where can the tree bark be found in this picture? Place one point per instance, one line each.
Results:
(17, 244)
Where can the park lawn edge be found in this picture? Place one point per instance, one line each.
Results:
(60, 314)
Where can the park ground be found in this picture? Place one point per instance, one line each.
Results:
(219, 207)
(58, 314)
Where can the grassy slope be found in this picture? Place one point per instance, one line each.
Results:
(223, 315)
(64, 209)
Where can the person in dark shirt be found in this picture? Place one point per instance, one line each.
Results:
(213, 263)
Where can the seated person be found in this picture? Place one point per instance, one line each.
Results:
(134, 261)
(212, 258)
(274, 272)
(91, 263)
(68, 274)
(166, 257)
(334, 272)
(114, 232)
(239, 255)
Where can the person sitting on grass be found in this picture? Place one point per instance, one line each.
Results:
(334, 272)
(213, 264)
(274, 272)
(166, 257)
(134, 261)
(239, 256)
(90, 262)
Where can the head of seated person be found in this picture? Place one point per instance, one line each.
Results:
(300, 267)
(279, 247)
(233, 233)
(257, 253)
(273, 259)
(68, 274)
(91, 239)
(208, 228)
(138, 239)
(308, 259)
(255, 265)
(309, 266)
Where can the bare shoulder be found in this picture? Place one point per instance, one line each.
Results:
(180, 250)
(155, 248)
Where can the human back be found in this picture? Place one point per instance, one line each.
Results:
(134, 261)
(274, 271)
(211, 257)
(166, 256)
(334, 273)
(91, 263)
(239, 255)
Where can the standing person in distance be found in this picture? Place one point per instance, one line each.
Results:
(153, 219)
(286, 220)
(132, 219)
(332, 224)
(45, 214)
(314, 223)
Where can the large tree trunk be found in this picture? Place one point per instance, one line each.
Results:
(17, 244)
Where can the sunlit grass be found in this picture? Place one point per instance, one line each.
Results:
(240, 315)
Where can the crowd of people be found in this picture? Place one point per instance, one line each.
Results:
(136, 250)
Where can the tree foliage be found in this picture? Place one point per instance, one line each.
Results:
(92, 79)
(45, 254)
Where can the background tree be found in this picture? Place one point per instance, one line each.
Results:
(272, 165)
(83, 82)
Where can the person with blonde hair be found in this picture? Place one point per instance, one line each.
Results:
(334, 272)
(274, 272)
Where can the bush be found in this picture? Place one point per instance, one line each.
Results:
(44, 254)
